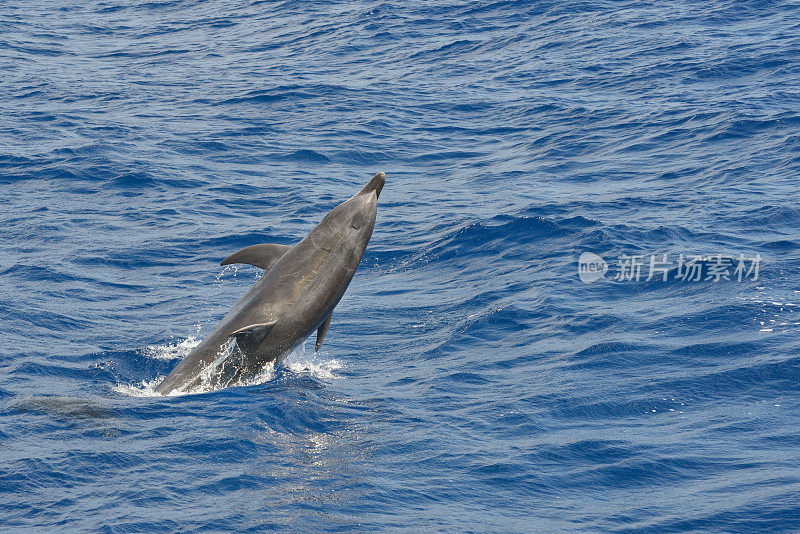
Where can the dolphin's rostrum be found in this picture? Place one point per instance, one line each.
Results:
(295, 296)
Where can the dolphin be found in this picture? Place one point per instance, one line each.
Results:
(295, 296)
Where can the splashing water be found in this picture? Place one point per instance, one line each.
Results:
(145, 388)
(171, 351)
(313, 365)
(222, 372)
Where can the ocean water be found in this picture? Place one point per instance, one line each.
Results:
(471, 381)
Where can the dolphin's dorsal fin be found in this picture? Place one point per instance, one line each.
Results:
(263, 256)
(250, 337)
(321, 331)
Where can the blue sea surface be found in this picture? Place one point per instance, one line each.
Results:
(471, 380)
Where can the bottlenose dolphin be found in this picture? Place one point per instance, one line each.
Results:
(295, 296)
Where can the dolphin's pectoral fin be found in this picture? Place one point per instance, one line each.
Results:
(321, 331)
(263, 256)
(250, 337)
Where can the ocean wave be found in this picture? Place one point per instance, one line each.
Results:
(470, 380)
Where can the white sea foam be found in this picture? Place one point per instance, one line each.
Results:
(172, 351)
(145, 388)
(298, 362)
(315, 366)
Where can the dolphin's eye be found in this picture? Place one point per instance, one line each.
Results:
(356, 224)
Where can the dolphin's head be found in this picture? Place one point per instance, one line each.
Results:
(354, 219)
(374, 186)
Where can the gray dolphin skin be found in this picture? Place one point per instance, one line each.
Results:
(295, 296)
